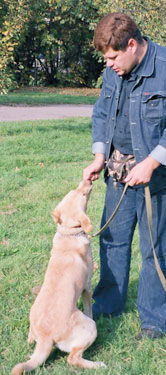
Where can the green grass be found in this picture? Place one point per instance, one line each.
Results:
(44, 98)
(40, 162)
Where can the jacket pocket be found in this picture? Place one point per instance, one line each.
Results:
(108, 91)
(153, 105)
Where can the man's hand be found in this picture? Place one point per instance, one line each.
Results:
(142, 172)
(92, 172)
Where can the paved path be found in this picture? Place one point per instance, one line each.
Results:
(58, 111)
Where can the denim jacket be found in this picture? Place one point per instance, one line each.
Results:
(147, 112)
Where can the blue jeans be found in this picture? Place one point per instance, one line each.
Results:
(115, 254)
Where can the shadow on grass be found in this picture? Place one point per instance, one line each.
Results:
(55, 355)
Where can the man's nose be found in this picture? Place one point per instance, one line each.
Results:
(109, 63)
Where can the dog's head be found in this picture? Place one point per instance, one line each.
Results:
(70, 212)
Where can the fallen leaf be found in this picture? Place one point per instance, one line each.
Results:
(95, 266)
(5, 243)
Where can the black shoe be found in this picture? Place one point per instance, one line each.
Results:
(150, 334)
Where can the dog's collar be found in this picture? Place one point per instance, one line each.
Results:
(82, 233)
(70, 232)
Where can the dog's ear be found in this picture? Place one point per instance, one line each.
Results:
(85, 223)
(56, 215)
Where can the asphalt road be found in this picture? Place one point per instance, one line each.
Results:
(59, 111)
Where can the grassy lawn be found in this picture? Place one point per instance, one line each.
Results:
(45, 96)
(40, 162)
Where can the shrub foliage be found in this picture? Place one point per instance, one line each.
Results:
(50, 41)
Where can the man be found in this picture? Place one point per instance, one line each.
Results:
(129, 131)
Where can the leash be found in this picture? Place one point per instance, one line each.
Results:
(113, 214)
(148, 203)
(149, 217)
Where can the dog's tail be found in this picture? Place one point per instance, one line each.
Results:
(41, 353)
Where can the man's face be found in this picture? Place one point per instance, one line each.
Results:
(122, 62)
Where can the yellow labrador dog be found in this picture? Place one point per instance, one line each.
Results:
(54, 316)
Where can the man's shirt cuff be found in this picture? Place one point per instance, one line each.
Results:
(159, 154)
(98, 148)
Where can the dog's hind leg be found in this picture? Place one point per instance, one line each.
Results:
(75, 358)
(83, 335)
(41, 353)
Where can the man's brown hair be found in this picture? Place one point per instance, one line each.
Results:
(114, 30)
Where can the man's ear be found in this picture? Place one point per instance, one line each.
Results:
(85, 223)
(132, 44)
(56, 215)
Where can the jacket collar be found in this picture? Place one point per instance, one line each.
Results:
(148, 66)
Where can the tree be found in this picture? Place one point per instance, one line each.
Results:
(57, 36)
(13, 20)
(62, 34)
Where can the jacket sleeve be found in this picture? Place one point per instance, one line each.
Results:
(99, 117)
(159, 154)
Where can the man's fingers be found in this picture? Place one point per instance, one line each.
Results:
(95, 176)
